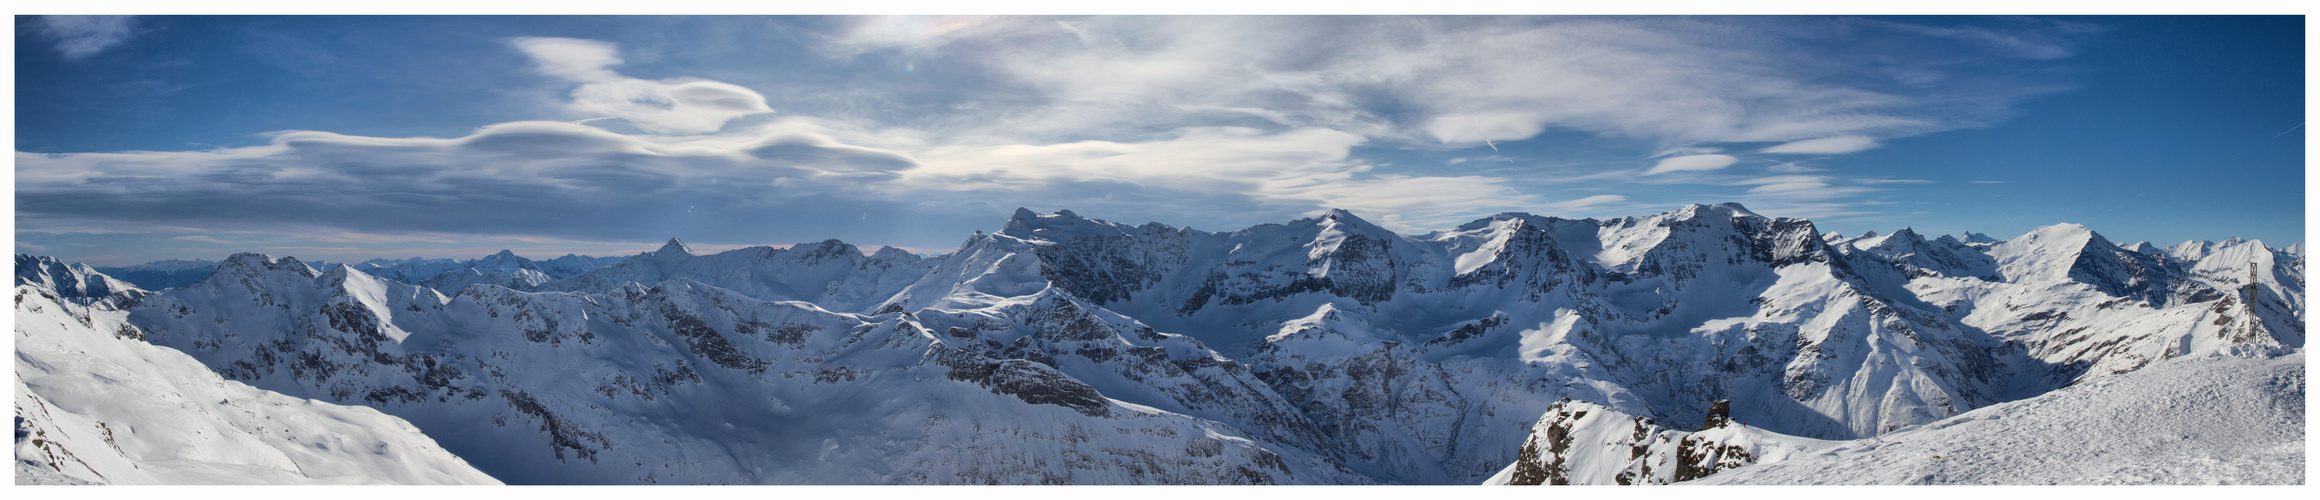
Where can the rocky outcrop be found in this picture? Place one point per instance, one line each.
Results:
(1578, 443)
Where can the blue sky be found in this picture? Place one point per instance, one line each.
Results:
(345, 138)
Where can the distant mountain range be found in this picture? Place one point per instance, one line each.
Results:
(503, 268)
(1326, 350)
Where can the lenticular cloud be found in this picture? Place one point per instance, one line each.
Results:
(673, 106)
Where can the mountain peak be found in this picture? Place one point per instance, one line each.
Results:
(1905, 235)
(1030, 225)
(888, 253)
(258, 262)
(1343, 216)
(674, 247)
(2071, 229)
(1341, 221)
(1697, 210)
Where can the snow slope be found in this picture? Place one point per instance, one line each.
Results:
(95, 404)
(2228, 418)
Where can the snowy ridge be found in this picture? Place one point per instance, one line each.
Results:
(1918, 257)
(2234, 417)
(830, 273)
(77, 283)
(504, 269)
(95, 404)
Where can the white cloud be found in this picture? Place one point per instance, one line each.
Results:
(1787, 189)
(572, 59)
(913, 33)
(1692, 163)
(1489, 126)
(1289, 172)
(1789, 168)
(554, 179)
(78, 37)
(1674, 82)
(2054, 41)
(1587, 202)
(673, 106)
(205, 239)
(1825, 146)
(1686, 151)
(1689, 88)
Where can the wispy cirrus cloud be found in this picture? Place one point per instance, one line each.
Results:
(78, 37)
(1689, 87)
(1824, 146)
(1691, 163)
(1463, 81)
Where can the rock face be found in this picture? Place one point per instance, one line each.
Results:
(1323, 350)
(1584, 443)
(97, 405)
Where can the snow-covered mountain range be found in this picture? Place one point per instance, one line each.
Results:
(1062, 349)
(97, 405)
(504, 269)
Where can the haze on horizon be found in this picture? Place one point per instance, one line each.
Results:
(347, 138)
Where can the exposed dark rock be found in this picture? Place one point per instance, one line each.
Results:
(562, 434)
(705, 341)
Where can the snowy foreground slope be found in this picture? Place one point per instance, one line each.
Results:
(1063, 349)
(95, 404)
(2215, 419)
